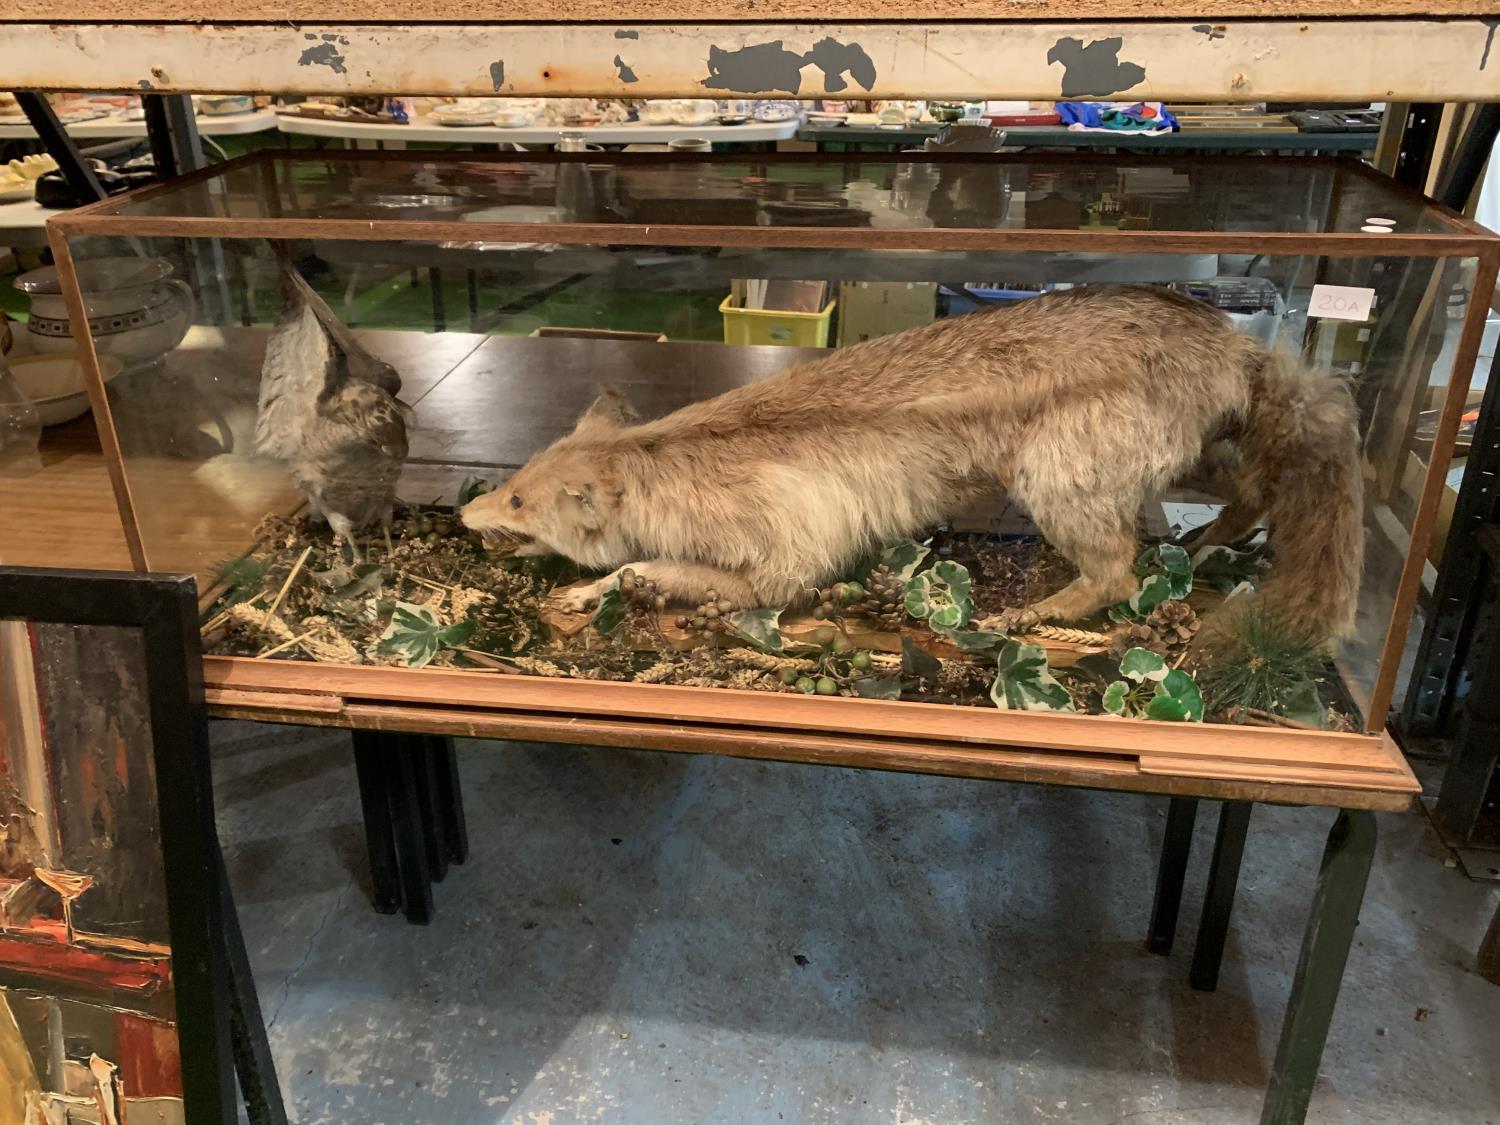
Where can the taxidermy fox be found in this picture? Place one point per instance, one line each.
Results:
(1078, 403)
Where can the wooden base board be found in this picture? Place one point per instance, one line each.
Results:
(1280, 765)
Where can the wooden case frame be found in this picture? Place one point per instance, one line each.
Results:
(1352, 770)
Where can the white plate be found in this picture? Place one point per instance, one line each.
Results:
(14, 193)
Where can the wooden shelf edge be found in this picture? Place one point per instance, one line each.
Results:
(1038, 766)
(1079, 750)
(1102, 734)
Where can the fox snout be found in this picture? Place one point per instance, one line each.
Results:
(484, 515)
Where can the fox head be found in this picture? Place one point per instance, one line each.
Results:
(562, 501)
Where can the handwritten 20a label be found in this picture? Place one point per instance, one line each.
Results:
(1341, 302)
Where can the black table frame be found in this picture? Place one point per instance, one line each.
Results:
(414, 828)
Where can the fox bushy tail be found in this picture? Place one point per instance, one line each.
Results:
(1300, 468)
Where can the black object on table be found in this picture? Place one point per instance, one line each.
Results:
(414, 818)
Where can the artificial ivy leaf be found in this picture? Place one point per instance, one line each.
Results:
(917, 663)
(472, 488)
(1223, 568)
(760, 628)
(1156, 589)
(334, 578)
(878, 687)
(1023, 682)
(976, 641)
(1302, 703)
(1141, 664)
(1168, 708)
(609, 615)
(1114, 697)
(919, 596)
(1178, 566)
(946, 618)
(903, 558)
(1183, 688)
(352, 581)
(416, 635)
(941, 595)
(956, 577)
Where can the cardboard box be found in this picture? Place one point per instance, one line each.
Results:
(877, 308)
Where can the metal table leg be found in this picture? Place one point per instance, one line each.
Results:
(1176, 844)
(370, 769)
(402, 764)
(1320, 969)
(434, 844)
(449, 798)
(1489, 951)
(1218, 899)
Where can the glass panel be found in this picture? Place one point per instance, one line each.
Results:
(1159, 193)
(500, 348)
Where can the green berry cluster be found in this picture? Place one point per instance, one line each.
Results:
(833, 601)
(427, 528)
(837, 668)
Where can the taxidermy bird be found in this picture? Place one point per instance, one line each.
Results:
(328, 409)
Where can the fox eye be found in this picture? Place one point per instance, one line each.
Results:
(515, 501)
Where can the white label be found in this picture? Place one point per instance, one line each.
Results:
(1341, 302)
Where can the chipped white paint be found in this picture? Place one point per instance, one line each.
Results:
(1418, 60)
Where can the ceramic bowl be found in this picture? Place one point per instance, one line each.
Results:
(54, 384)
(512, 118)
(862, 120)
(137, 311)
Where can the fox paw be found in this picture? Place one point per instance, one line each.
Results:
(579, 599)
(1010, 621)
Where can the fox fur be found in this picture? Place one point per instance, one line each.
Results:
(1079, 404)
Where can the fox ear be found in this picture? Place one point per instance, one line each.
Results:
(609, 409)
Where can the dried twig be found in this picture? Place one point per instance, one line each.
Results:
(290, 578)
(282, 645)
(214, 622)
(1254, 717)
(488, 660)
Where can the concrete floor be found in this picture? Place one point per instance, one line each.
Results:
(663, 939)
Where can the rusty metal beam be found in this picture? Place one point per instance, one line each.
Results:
(1352, 60)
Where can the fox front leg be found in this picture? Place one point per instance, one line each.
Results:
(680, 582)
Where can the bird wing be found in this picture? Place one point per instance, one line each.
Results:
(361, 365)
(293, 378)
(363, 414)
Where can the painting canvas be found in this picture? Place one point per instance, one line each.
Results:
(92, 998)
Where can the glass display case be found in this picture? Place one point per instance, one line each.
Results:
(981, 355)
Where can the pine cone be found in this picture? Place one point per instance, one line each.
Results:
(1136, 636)
(1175, 622)
(885, 598)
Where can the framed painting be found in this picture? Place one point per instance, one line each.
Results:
(115, 998)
